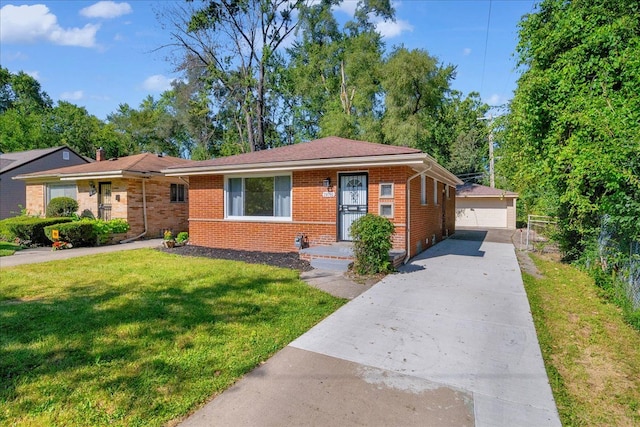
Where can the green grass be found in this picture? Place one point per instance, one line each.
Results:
(8, 248)
(592, 356)
(139, 338)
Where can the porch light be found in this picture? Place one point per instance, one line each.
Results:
(326, 182)
(92, 188)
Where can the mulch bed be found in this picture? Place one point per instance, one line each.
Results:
(285, 260)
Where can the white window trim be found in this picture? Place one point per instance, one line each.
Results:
(435, 192)
(393, 210)
(392, 190)
(423, 190)
(257, 218)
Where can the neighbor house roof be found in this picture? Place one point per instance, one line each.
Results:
(324, 153)
(139, 165)
(477, 190)
(9, 161)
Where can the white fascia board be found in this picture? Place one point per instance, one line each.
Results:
(347, 162)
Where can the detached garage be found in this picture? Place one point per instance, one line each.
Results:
(481, 206)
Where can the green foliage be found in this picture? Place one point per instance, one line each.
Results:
(371, 244)
(61, 207)
(78, 233)
(32, 229)
(573, 135)
(182, 237)
(103, 230)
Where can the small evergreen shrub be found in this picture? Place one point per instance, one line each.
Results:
(61, 207)
(32, 229)
(105, 229)
(78, 233)
(182, 237)
(371, 244)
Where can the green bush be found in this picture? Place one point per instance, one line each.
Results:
(104, 229)
(61, 207)
(371, 244)
(182, 237)
(78, 233)
(32, 229)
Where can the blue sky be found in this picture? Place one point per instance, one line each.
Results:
(101, 54)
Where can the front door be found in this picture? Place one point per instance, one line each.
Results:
(104, 201)
(352, 201)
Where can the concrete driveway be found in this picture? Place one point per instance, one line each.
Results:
(449, 341)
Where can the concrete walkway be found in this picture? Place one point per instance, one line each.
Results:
(449, 341)
(32, 256)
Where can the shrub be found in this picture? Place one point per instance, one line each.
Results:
(78, 233)
(372, 241)
(28, 228)
(61, 207)
(104, 229)
(182, 237)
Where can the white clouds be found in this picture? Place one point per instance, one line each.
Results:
(106, 9)
(466, 51)
(72, 96)
(30, 24)
(389, 29)
(157, 83)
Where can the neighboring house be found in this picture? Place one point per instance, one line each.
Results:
(481, 206)
(12, 192)
(266, 200)
(130, 188)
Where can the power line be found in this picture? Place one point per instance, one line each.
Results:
(486, 45)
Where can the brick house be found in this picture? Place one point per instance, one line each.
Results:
(13, 192)
(131, 188)
(268, 200)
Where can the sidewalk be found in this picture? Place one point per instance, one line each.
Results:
(449, 341)
(32, 256)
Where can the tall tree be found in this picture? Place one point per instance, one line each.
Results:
(573, 135)
(234, 41)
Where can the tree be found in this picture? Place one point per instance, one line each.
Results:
(415, 87)
(233, 43)
(573, 135)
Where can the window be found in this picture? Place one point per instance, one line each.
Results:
(61, 190)
(386, 190)
(423, 190)
(65, 155)
(386, 210)
(259, 197)
(177, 193)
(435, 192)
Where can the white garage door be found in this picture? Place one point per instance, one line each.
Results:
(481, 213)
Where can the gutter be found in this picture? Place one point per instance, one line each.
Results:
(144, 213)
(408, 192)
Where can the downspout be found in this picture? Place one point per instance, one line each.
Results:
(408, 238)
(144, 213)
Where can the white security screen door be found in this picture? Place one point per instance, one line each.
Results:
(352, 203)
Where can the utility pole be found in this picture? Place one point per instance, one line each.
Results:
(492, 178)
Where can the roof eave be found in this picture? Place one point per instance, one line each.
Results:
(295, 165)
(85, 176)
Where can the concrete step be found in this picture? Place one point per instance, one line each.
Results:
(331, 264)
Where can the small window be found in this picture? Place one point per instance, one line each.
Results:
(177, 193)
(386, 190)
(65, 155)
(386, 210)
(435, 192)
(423, 190)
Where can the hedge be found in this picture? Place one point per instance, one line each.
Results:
(78, 233)
(30, 228)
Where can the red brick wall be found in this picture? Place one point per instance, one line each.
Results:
(312, 214)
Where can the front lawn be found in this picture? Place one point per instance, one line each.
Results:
(592, 356)
(139, 338)
(8, 248)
